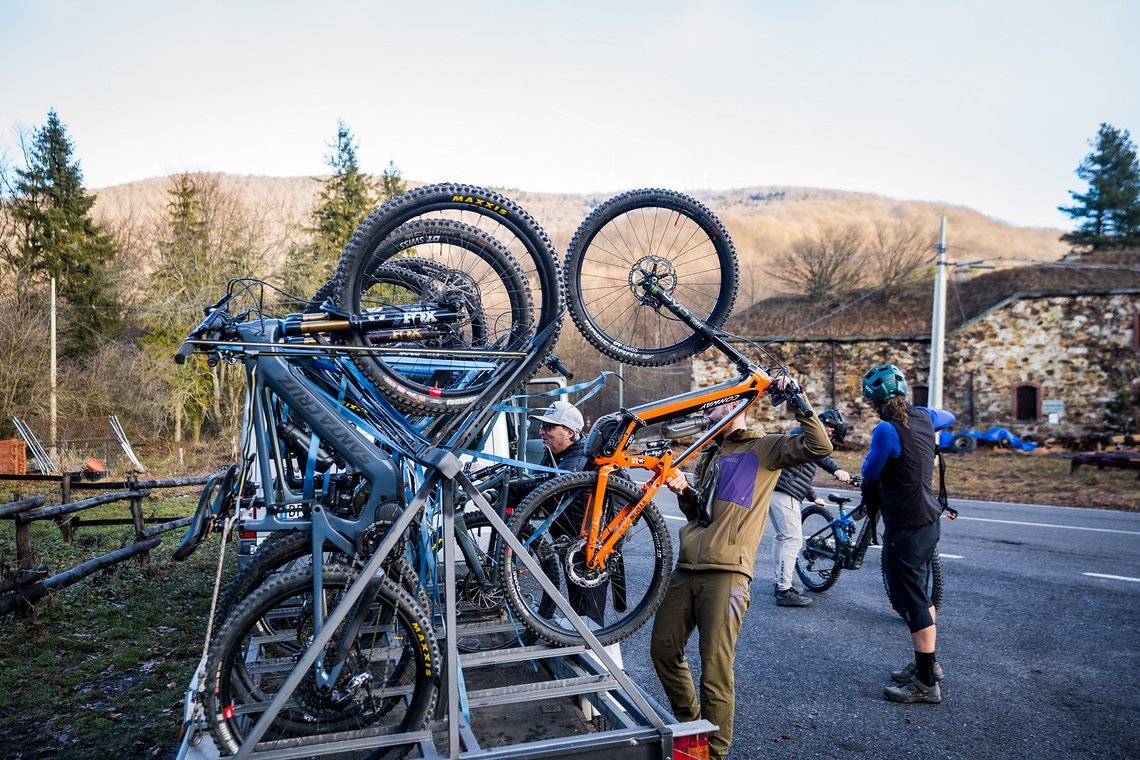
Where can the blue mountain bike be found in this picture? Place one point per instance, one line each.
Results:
(834, 543)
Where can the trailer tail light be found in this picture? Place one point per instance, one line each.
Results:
(247, 534)
(691, 747)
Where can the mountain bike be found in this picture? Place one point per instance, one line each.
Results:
(481, 295)
(834, 543)
(323, 454)
(340, 479)
(651, 274)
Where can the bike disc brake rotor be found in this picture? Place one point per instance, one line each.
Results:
(655, 270)
(577, 571)
(485, 599)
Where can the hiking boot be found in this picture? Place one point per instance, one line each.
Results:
(904, 675)
(912, 691)
(792, 597)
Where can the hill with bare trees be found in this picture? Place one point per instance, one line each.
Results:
(764, 222)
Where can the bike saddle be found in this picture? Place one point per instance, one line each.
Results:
(840, 500)
(199, 523)
(208, 508)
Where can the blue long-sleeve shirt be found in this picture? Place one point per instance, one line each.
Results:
(886, 444)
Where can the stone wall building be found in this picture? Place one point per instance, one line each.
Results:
(1046, 352)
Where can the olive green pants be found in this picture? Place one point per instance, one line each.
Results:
(713, 602)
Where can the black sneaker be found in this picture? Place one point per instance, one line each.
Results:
(913, 691)
(792, 597)
(904, 675)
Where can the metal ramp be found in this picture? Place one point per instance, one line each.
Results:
(520, 706)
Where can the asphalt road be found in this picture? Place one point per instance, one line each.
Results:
(1039, 636)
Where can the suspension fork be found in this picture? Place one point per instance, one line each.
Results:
(468, 548)
(602, 542)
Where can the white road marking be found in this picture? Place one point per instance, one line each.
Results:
(1050, 525)
(1112, 577)
(671, 517)
(950, 556)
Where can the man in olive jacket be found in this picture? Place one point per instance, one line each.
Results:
(709, 589)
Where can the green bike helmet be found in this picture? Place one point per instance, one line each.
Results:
(884, 381)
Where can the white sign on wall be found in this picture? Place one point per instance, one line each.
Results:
(1053, 406)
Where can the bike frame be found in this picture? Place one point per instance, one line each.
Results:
(850, 554)
(289, 375)
(612, 435)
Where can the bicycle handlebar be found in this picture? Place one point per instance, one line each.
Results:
(557, 366)
(793, 394)
(214, 313)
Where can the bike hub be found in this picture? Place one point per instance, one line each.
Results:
(485, 598)
(579, 573)
(652, 271)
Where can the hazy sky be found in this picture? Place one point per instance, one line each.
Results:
(987, 104)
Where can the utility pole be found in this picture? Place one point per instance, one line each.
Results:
(52, 394)
(938, 325)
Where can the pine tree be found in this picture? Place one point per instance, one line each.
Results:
(205, 237)
(346, 199)
(1108, 215)
(57, 237)
(392, 183)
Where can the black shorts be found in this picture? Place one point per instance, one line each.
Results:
(907, 553)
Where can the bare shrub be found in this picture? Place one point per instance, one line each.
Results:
(899, 249)
(824, 264)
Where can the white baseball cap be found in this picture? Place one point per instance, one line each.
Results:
(562, 413)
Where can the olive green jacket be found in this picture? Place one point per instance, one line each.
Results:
(750, 465)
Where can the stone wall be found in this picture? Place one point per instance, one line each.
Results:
(1076, 350)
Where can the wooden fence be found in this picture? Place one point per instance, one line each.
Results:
(29, 583)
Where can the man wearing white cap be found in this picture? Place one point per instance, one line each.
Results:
(560, 428)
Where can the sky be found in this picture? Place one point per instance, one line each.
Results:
(987, 104)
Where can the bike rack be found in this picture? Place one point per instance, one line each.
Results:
(586, 670)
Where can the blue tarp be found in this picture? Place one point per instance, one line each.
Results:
(995, 435)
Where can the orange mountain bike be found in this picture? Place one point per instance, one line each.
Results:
(651, 276)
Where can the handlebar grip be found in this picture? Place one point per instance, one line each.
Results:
(184, 351)
(553, 363)
(792, 394)
(801, 404)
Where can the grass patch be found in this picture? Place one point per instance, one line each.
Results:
(99, 669)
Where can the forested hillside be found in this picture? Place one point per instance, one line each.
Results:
(763, 221)
(176, 240)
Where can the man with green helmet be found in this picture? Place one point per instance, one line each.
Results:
(897, 475)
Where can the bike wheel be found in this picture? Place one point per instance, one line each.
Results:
(484, 241)
(616, 600)
(482, 614)
(818, 564)
(934, 584)
(291, 550)
(387, 685)
(458, 267)
(677, 242)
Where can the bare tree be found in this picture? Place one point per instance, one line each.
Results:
(824, 264)
(899, 251)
